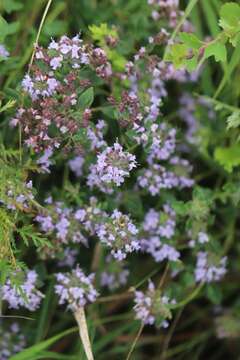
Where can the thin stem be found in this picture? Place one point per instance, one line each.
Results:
(187, 12)
(135, 341)
(162, 280)
(39, 32)
(83, 332)
(170, 334)
(118, 297)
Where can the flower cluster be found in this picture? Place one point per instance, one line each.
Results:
(202, 238)
(113, 165)
(18, 198)
(163, 142)
(75, 288)
(153, 307)
(56, 87)
(76, 165)
(209, 268)
(156, 177)
(227, 325)
(12, 341)
(26, 295)
(168, 10)
(114, 275)
(67, 225)
(158, 229)
(119, 233)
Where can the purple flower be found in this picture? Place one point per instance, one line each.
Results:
(152, 307)
(12, 341)
(209, 268)
(114, 275)
(27, 295)
(75, 288)
(119, 233)
(112, 166)
(44, 161)
(76, 165)
(158, 229)
(3, 52)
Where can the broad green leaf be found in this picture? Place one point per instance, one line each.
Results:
(218, 50)
(86, 98)
(11, 5)
(228, 157)
(214, 294)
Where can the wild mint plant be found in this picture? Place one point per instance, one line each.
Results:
(119, 187)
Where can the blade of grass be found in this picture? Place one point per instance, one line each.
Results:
(229, 70)
(52, 355)
(211, 17)
(36, 349)
(206, 76)
(44, 315)
(99, 345)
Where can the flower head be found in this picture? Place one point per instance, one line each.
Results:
(75, 288)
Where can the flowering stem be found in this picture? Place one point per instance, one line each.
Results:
(83, 331)
(39, 32)
(189, 298)
(170, 334)
(162, 280)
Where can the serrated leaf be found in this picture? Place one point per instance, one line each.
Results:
(178, 54)
(228, 157)
(190, 40)
(218, 50)
(230, 21)
(230, 15)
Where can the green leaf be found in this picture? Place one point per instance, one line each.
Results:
(34, 350)
(228, 157)
(214, 294)
(178, 54)
(190, 40)
(11, 5)
(233, 121)
(230, 21)
(218, 50)
(86, 98)
(4, 28)
(230, 15)
(100, 32)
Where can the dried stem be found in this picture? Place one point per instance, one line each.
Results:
(83, 331)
